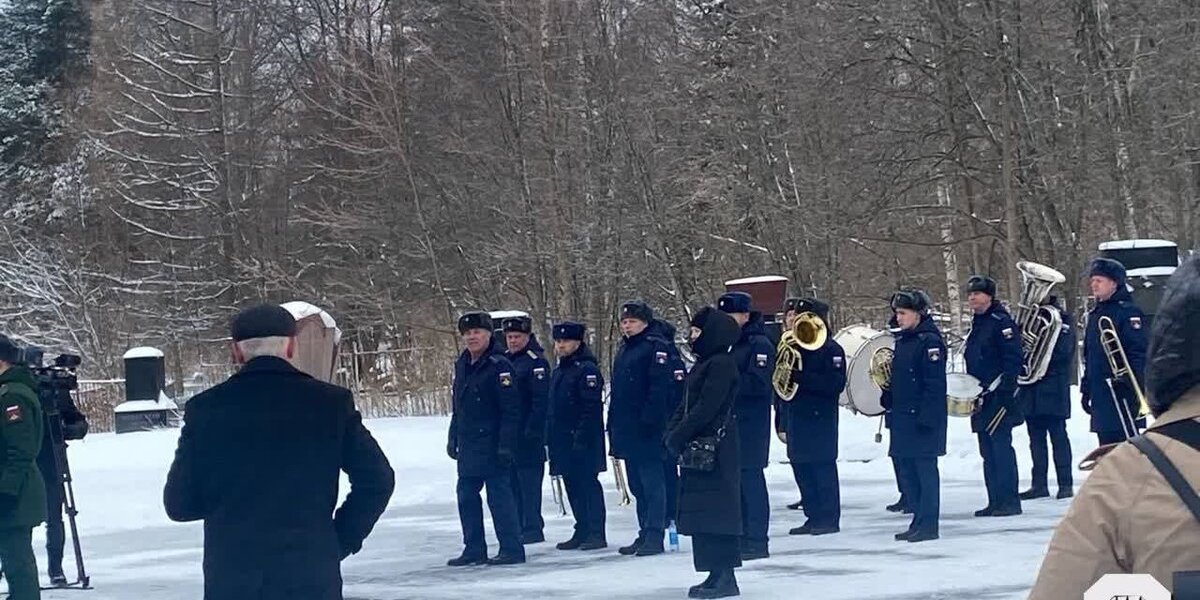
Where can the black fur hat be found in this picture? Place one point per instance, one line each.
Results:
(475, 320)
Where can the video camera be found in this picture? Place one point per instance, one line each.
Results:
(55, 384)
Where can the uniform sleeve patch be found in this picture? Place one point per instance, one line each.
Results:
(837, 362)
(1135, 322)
(935, 354)
(506, 379)
(679, 374)
(591, 381)
(1066, 328)
(760, 360)
(12, 414)
(539, 373)
(1007, 332)
(660, 358)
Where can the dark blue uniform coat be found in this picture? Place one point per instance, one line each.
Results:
(916, 398)
(993, 350)
(813, 414)
(1051, 395)
(641, 389)
(755, 357)
(532, 374)
(487, 413)
(576, 420)
(1131, 330)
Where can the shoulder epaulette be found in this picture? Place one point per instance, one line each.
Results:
(532, 354)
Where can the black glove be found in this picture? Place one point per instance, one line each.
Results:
(7, 504)
(452, 450)
(505, 457)
(1086, 401)
(885, 399)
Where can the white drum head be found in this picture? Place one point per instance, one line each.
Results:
(962, 386)
(860, 344)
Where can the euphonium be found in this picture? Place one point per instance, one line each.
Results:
(808, 332)
(1040, 325)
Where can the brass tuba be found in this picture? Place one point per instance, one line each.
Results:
(1040, 325)
(808, 332)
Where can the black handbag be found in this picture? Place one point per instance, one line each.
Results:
(700, 454)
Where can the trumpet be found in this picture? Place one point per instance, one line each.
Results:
(619, 476)
(1118, 361)
(807, 332)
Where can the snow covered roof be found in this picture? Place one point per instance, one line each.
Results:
(1151, 272)
(143, 352)
(301, 309)
(759, 279)
(1131, 244)
(507, 314)
(133, 406)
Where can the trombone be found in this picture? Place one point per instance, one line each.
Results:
(556, 487)
(1119, 363)
(619, 476)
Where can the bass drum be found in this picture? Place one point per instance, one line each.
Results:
(861, 344)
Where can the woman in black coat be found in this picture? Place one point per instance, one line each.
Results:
(710, 507)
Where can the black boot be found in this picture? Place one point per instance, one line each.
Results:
(1010, 510)
(754, 550)
(533, 537)
(571, 544)
(724, 586)
(651, 544)
(804, 529)
(1034, 493)
(631, 549)
(594, 542)
(465, 560)
(506, 559)
(904, 535)
(922, 536)
(1065, 492)
(986, 511)
(707, 583)
(898, 506)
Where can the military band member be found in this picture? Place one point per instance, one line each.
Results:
(1110, 401)
(993, 356)
(641, 388)
(901, 504)
(1047, 406)
(813, 429)
(916, 398)
(1130, 516)
(532, 375)
(781, 407)
(484, 432)
(667, 332)
(755, 358)
(576, 434)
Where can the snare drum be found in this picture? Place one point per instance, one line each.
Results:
(962, 393)
(861, 344)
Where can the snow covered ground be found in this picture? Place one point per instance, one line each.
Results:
(133, 551)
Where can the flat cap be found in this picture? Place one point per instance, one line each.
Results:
(264, 320)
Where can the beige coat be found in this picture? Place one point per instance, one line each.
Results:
(1127, 518)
